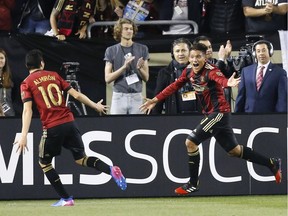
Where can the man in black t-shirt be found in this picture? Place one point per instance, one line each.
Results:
(261, 16)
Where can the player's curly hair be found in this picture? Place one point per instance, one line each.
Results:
(118, 28)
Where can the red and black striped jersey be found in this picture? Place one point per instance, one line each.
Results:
(208, 85)
(45, 88)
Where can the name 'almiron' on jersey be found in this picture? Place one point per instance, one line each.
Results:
(45, 88)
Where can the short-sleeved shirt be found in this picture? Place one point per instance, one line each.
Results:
(45, 88)
(116, 56)
(263, 23)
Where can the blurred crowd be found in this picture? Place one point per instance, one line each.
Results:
(71, 18)
(62, 18)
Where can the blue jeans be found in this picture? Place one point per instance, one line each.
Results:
(31, 26)
(126, 103)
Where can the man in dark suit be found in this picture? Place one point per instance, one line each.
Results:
(263, 86)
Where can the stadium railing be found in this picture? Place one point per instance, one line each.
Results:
(147, 22)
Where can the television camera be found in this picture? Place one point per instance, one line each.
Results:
(71, 69)
(245, 56)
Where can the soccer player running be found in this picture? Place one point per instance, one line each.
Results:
(45, 88)
(208, 82)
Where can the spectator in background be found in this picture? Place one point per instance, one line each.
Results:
(35, 16)
(263, 86)
(6, 85)
(70, 17)
(119, 7)
(6, 7)
(265, 16)
(224, 17)
(184, 100)
(179, 10)
(110, 10)
(224, 62)
(141, 10)
(126, 66)
(137, 10)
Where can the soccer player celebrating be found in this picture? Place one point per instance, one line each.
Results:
(208, 82)
(45, 89)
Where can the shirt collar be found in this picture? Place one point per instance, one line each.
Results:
(265, 65)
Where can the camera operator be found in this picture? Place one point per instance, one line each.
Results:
(224, 62)
(263, 86)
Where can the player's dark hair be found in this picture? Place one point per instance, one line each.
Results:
(199, 46)
(33, 59)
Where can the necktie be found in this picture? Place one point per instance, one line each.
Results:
(259, 78)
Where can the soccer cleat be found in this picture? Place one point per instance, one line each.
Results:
(187, 189)
(64, 202)
(276, 169)
(118, 177)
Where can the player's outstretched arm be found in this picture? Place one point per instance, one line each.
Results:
(148, 105)
(99, 107)
(232, 81)
(26, 121)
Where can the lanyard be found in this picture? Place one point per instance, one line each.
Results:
(124, 51)
(129, 70)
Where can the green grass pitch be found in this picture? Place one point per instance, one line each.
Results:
(274, 205)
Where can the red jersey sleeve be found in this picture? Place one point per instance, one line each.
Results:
(25, 93)
(173, 87)
(218, 77)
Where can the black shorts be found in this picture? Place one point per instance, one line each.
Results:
(218, 126)
(52, 140)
